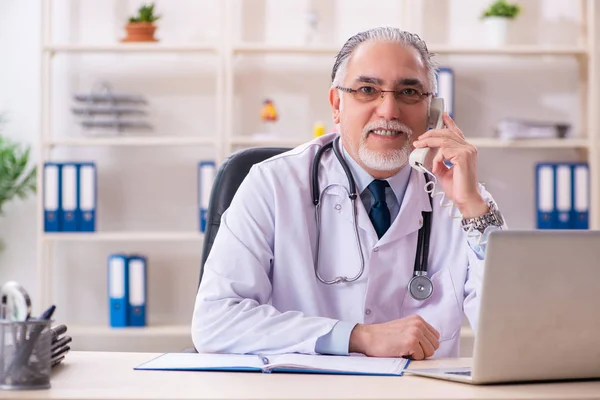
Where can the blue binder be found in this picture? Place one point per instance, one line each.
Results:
(136, 308)
(118, 288)
(206, 177)
(52, 198)
(545, 197)
(445, 88)
(581, 196)
(563, 195)
(69, 197)
(87, 197)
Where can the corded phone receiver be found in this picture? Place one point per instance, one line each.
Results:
(422, 158)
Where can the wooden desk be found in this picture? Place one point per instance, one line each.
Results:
(98, 375)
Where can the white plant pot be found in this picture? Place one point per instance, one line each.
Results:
(496, 30)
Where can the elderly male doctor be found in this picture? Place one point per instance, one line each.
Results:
(260, 293)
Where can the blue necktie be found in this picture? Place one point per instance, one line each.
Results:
(380, 213)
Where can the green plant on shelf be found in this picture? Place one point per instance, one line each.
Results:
(145, 14)
(17, 178)
(503, 9)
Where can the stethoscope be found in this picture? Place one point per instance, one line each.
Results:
(420, 286)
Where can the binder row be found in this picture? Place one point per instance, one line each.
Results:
(562, 195)
(69, 197)
(127, 290)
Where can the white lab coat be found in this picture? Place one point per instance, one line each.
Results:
(259, 292)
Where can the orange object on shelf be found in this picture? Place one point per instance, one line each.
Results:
(269, 112)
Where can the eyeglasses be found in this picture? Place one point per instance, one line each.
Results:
(370, 93)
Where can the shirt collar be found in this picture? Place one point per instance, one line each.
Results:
(398, 182)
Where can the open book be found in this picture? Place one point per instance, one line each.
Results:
(298, 363)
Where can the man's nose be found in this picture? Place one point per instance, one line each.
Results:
(388, 106)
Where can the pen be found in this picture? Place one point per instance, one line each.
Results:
(46, 315)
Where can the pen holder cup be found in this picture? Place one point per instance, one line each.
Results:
(25, 354)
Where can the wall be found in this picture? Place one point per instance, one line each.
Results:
(154, 188)
(19, 101)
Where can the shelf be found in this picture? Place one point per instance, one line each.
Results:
(131, 47)
(133, 141)
(250, 141)
(510, 50)
(477, 142)
(283, 49)
(529, 143)
(439, 49)
(123, 236)
(146, 331)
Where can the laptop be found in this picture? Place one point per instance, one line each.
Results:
(539, 317)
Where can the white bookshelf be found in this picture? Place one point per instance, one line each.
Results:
(132, 141)
(260, 48)
(132, 48)
(123, 237)
(153, 338)
(225, 140)
(478, 142)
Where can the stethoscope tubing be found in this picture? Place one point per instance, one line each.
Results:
(420, 281)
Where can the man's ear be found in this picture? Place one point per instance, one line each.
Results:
(334, 100)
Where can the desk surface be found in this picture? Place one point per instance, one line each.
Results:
(98, 375)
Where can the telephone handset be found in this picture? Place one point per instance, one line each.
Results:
(421, 159)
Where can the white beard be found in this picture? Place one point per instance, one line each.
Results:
(388, 161)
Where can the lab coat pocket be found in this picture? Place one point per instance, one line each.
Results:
(441, 310)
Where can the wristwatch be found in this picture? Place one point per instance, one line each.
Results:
(492, 218)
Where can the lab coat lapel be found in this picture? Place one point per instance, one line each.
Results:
(333, 177)
(409, 218)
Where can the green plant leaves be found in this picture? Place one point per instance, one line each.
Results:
(145, 14)
(501, 8)
(16, 180)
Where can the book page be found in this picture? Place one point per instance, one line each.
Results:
(200, 362)
(342, 364)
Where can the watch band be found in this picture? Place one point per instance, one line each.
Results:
(492, 218)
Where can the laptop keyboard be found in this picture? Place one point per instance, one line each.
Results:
(464, 373)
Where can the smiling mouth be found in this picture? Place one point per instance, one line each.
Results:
(385, 132)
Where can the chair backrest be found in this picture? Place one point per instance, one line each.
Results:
(227, 181)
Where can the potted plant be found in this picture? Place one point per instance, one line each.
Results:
(496, 19)
(17, 179)
(141, 27)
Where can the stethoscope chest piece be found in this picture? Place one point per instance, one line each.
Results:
(420, 287)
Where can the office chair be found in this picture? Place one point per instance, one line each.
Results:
(229, 177)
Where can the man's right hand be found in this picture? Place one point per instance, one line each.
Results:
(411, 337)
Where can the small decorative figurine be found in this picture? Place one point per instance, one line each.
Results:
(318, 129)
(269, 112)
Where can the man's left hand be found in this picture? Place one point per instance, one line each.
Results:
(459, 182)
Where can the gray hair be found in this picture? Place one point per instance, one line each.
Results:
(384, 34)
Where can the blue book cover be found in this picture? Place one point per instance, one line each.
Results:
(545, 197)
(136, 308)
(69, 197)
(445, 88)
(563, 195)
(206, 177)
(52, 197)
(87, 197)
(118, 288)
(581, 196)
